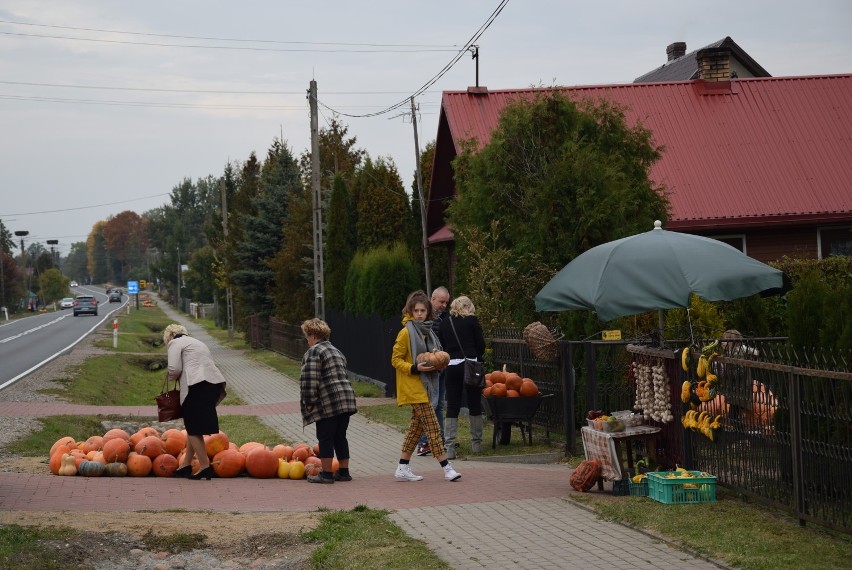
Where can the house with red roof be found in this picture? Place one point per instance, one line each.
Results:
(762, 163)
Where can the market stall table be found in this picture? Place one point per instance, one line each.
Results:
(606, 448)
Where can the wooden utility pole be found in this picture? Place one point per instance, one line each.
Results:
(425, 241)
(319, 301)
(229, 303)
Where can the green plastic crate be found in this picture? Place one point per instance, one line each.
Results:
(676, 492)
(639, 489)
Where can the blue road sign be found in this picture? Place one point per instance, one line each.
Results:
(132, 287)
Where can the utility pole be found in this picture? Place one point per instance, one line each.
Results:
(229, 305)
(425, 241)
(319, 284)
(177, 281)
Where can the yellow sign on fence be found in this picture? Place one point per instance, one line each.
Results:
(611, 335)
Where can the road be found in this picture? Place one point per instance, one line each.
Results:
(29, 343)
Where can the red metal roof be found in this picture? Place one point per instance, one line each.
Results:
(747, 152)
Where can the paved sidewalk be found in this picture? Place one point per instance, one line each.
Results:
(497, 516)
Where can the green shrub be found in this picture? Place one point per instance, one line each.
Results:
(379, 281)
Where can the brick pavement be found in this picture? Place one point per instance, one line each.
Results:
(470, 524)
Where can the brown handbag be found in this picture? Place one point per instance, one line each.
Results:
(168, 403)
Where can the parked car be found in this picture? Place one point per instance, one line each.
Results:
(85, 304)
(74, 284)
(66, 303)
(115, 296)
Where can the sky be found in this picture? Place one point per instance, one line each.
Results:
(107, 105)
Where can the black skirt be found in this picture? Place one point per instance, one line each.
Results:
(199, 409)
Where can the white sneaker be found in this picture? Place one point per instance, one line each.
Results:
(451, 474)
(403, 473)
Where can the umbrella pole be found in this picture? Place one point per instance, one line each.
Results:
(661, 314)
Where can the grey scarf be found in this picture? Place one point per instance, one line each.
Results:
(423, 339)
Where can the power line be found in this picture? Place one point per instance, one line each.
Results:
(209, 91)
(282, 42)
(438, 76)
(87, 207)
(237, 48)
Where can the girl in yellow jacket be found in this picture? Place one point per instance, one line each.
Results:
(417, 385)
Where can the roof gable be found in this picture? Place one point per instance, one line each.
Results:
(751, 151)
(685, 67)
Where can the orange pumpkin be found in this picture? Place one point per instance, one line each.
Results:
(139, 465)
(228, 463)
(94, 443)
(116, 450)
(499, 390)
(487, 391)
(313, 461)
(498, 377)
(312, 469)
(513, 381)
(142, 433)
(65, 444)
(55, 462)
(315, 449)
(164, 465)
(116, 433)
(262, 463)
(442, 359)
(99, 457)
(528, 388)
(215, 443)
(174, 441)
(427, 358)
(284, 452)
(151, 446)
(246, 448)
(301, 453)
(513, 394)
(335, 465)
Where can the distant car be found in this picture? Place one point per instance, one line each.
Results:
(115, 296)
(66, 303)
(85, 304)
(75, 284)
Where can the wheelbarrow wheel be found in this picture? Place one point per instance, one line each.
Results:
(505, 433)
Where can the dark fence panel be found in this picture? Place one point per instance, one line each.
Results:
(287, 339)
(367, 343)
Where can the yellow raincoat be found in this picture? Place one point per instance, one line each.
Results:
(409, 387)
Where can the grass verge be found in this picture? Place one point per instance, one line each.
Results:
(21, 548)
(741, 534)
(365, 538)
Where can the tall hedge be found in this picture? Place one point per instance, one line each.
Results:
(379, 280)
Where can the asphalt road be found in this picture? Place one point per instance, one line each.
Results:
(29, 343)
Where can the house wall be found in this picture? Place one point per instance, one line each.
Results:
(771, 245)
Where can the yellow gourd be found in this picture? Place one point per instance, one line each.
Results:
(67, 467)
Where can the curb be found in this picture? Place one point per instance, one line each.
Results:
(532, 458)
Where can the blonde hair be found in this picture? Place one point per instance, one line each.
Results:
(172, 330)
(462, 306)
(316, 328)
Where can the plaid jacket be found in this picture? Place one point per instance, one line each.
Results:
(325, 388)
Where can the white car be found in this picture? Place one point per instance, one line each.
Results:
(74, 284)
(66, 303)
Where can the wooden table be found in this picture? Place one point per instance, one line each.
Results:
(606, 448)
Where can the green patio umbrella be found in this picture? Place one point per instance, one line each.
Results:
(655, 270)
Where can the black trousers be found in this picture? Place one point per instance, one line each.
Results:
(331, 433)
(456, 388)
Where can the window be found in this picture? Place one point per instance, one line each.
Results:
(735, 241)
(835, 241)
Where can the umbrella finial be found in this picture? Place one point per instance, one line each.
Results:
(658, 225)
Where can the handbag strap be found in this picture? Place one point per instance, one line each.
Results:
(457, 338)
(166, 383)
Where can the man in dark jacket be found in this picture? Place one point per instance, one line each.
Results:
(440, 300)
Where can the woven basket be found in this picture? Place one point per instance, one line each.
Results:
(541, 341)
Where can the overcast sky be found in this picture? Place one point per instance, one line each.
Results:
(112, 103)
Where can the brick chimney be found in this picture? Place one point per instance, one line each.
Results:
(714, 64)
(676, 50)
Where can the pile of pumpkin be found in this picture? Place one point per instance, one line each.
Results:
(504, 384)
(147, 452)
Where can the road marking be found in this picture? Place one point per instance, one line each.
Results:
(19, 335)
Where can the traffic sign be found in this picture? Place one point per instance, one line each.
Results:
(132, 287)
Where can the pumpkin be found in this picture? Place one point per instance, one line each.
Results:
(262, 463)
(528, 388)
(164, 465)
(174, 441)
(142, 433)
(312, 469)
(139, 465)
(94, 443)
(513, 394)
(498, 377)
(116, 433)
(513, 381)
(116, 469)
(488, 382)
(228, 463)
(67, 465)
(66, 444)
(215, 443)
(99, 457)
(247, 447)
(335, 465)
(442, 359)
(315, 449)
(487, 391)
(91, 469)
(116, 450)
(284, 452)
(79, 456)
(301, 453)
(55, 463)
(297, 470)
(499, 390)
(427, 358)
(150, 445)
(313, 461)
(284, 469)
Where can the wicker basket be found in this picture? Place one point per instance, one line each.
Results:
(541, 341)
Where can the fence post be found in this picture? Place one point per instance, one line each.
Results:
(795, 384)
(591, 388)
(568, 382)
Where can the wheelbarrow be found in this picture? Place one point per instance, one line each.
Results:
(505, 412)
